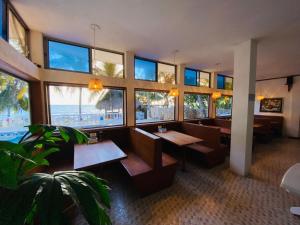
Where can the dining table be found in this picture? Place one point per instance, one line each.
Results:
(90, 155)
(181, 140)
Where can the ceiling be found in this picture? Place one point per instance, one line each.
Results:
(204, 31)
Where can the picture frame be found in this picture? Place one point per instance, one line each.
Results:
(271, 105)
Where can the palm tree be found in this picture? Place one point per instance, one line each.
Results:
(107, 69)
(13, 94)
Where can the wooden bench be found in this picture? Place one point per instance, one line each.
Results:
(210, 151)
(150, 169)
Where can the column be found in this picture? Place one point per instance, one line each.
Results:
(243, 107)
(130, 98)
(180, 80)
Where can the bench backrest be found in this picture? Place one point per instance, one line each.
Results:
(210, 135)
(147, 146)
(223, 123)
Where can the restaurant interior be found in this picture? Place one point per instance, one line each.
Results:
(149, 112)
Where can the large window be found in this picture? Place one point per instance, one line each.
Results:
(196, 78)
(196, 106)
(224, 106)
(150, 70)
(224, 82)
(14, 107)
(67, 57)
(107, 63)
(78, 107)
(153, 106)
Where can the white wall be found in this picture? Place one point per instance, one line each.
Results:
(291, 102)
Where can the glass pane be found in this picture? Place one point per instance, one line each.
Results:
(1, 18)
(190, 77)
(107, 64)
(78, 107)
(68, 57)
(14, 108)
(145, 70)
(204, 79)
(166, 73)
(220, 82)
(17, 34)
(228, 83)
(154, 106)
(195, 106)
(224, 106)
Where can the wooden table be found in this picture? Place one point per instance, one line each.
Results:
(87, 156)
(180, 140)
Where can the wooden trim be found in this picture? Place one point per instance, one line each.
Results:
(275, 78)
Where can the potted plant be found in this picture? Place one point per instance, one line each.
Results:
(41, 198)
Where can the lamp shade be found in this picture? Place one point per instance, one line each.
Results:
(216, 95)
(95, 85)
(174, 92)
(260, 97)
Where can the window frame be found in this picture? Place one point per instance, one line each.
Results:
(224, 95)
(109, 51)
(198, 93)
(197, 77)
(224, 78)
(155, 122)
(9, 7)
(156, 69)
(48, 110)
(46, 39)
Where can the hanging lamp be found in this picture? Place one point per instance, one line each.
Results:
(94, 83)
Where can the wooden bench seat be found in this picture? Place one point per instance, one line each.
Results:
(149, 168)
(134, 165)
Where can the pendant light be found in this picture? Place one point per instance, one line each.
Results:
(94, 83)
(174, 90)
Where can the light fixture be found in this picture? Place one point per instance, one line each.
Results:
(260, 97)
(215, 95)
(94, 83)
(174, 92)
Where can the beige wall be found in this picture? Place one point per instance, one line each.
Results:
(291, 102)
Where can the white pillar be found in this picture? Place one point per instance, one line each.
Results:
(243, 107)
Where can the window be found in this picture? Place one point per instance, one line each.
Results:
(107, 63)
(144, 69)
(196, 106)
(224, 82)
(78, 107)
(190, 77)
(153, 106)
(224, 106)
(204, 80)
(166, 73)
(17, 32)
(67, 57)
(196, 78)
(2, 19)
(14, 108)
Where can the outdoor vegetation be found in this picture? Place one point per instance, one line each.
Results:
(224, 106)
(196, 106)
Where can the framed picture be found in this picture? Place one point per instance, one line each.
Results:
(272, 105)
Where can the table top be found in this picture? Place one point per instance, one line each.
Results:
(89, 155)
(178, 138)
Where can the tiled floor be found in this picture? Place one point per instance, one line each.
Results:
(215, 196)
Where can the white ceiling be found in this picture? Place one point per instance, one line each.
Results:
(204, 31)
